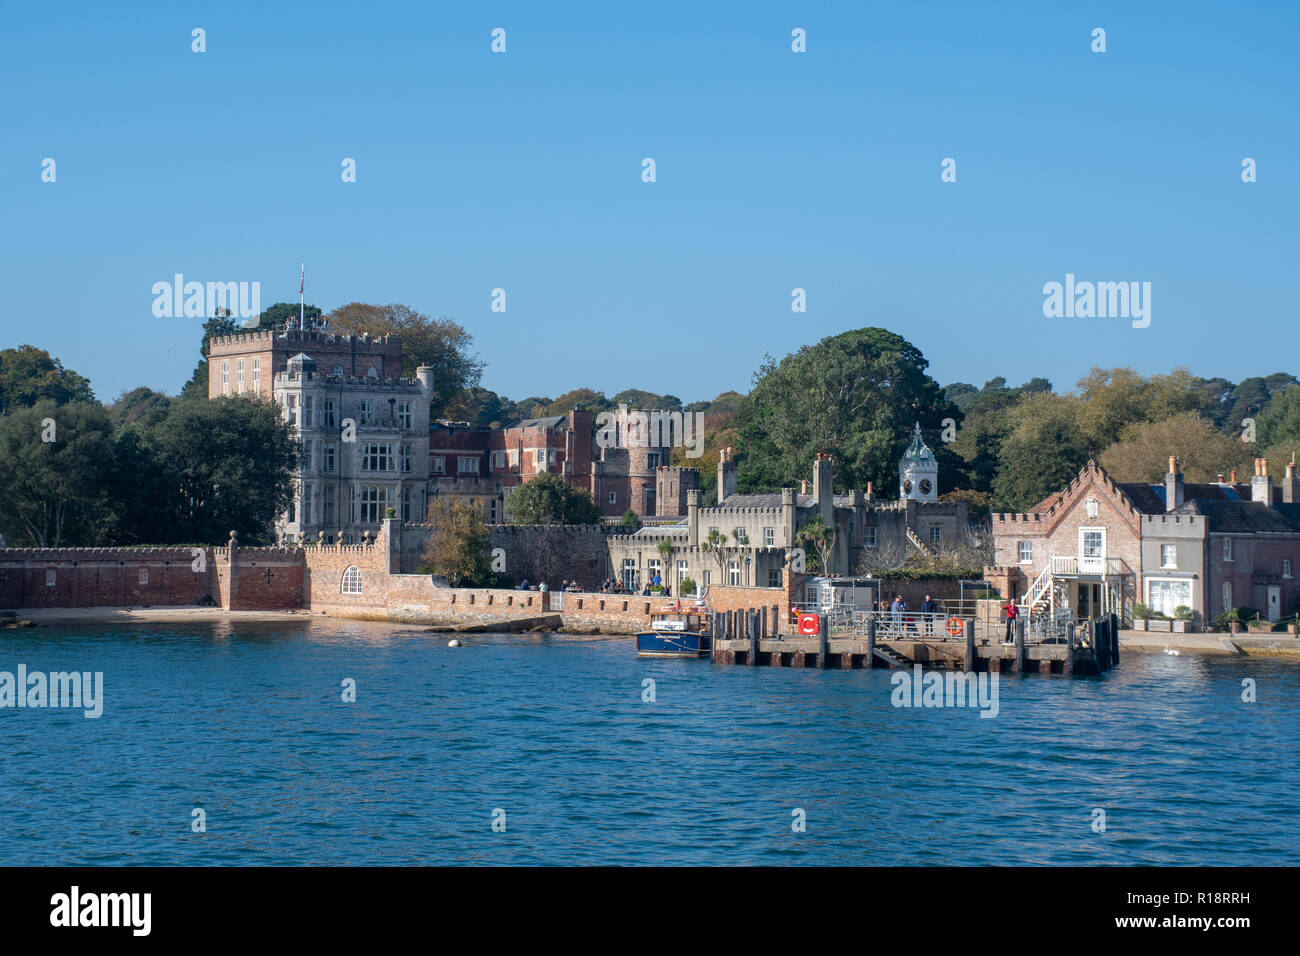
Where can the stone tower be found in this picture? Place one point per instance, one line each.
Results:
(918, 472)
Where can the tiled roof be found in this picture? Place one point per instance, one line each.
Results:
(1244, 517)
(772, 500)
(1150, 498)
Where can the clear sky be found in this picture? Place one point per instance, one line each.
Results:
(775, 170)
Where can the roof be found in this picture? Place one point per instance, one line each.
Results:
(917, 453)
(549, 422)
(1244, 517)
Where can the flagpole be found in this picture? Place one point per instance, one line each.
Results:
(302, 281)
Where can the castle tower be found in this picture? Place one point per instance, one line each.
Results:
(918, 472)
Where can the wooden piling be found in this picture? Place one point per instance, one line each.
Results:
(1018, 632)
(823, 640)
(969, 663)
(751, 631)
(1069, 648)
(871, 643)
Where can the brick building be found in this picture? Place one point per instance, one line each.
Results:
(1100, 546)
(247, 363)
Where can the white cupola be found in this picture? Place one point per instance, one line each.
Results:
(918, 472)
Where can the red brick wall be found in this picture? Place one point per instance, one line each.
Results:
(101, 577)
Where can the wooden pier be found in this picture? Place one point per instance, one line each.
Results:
(1086, 647)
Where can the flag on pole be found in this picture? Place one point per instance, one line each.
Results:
(302, 279)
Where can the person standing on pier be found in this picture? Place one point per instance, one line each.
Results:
(928, 609)
(1012, 613)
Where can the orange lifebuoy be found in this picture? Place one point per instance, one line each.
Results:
(955, 626)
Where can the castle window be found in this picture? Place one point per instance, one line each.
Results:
(406, 504)
(338, 371)
(308, 455)
(291, 409)
(406, 458)
(308, 410)
(328, 455)
(257, 374)
(513, 455)
(327, 505)
(404, 414)
(144, 576)
(366, 410)
(51, 577)
(306, 504)
(935, 535)
(225, 376)
(613, 497)
(868, 537)
(374, 502)
(376, 457)
(733, 573)
(1227, 549)
(740, 536)
(1286, 567)
(652, 460)
(1169, 556)
(437, 465)
(774, 577)
(467, 466)
(327, 413)
(239, 376)
(352, 580)
(1025, 552)
(769, 537)
(371, 373)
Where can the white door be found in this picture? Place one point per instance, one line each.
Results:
(1274, 603)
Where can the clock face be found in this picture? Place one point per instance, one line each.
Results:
(907, 486)
(925, 486)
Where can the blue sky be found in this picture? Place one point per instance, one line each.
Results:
(775, 170)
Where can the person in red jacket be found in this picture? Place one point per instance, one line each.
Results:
(1012, 612)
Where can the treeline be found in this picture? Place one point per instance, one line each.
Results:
(145, 470)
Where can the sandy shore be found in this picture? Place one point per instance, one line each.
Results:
(149, 615)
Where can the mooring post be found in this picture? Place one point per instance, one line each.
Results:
(1114, 640)
(1069, 648)
(823, 640)
(762, 621)
(871, 642)
(1018, 631)
(970, 647)
(751, 629)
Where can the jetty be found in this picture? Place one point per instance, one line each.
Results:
(879, 639)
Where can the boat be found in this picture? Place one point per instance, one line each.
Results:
(677, 632)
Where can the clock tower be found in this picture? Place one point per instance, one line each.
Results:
(918, 472)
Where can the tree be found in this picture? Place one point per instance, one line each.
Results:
(1144, 450)
(818, 539)
(440, 343)
(549, 499)
(230, 461)
(29, 374)
(1042, 452)
(584, 399)
(481, 407)
(631, 520)
(142, 405)
(54, 487)
(714, 545)
(277, 316)
(458, 548)
(855, 395)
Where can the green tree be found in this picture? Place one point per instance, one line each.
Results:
(459, 546)
(1042, 452)
(441, 343)
(818, 539)
(1144, 450)
(277, 316)
(54, 487)
(230, 460)
(549, 499)
(29, 374)
(855, 395)
(142, 405)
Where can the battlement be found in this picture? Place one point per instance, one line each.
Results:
(296, 337)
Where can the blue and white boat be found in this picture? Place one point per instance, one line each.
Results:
(677, 632)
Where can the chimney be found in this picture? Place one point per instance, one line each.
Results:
(789, 512)
(693, 517)
(1261, 486)
(822, 493)
(1173, 486)
(803, 486)
(871, 495)
(726, 475)
(1291, 484)
(1232, 477)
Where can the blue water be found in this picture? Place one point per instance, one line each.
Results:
(246, 721)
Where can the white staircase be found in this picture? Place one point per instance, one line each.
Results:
(1039, 593)
(919, 544)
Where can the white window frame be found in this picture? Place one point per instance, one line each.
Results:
(1025, 552)
(351, 583)
(1170, 561)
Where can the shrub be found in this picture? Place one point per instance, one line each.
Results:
(688, 585)
(1182, 613)
(1141, 612)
